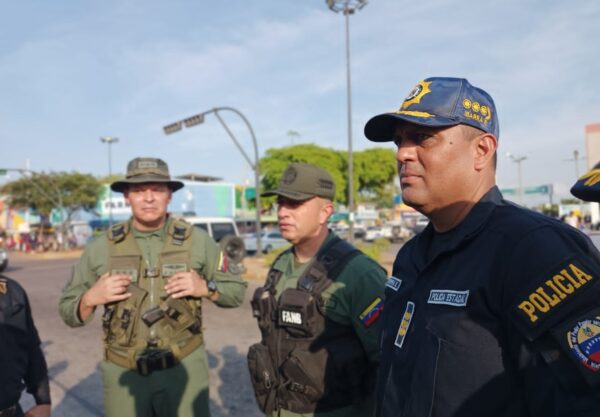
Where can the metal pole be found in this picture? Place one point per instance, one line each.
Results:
(347, 12)
(520, 182)
(254, 166)
(110, 216)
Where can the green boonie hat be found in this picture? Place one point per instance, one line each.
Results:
(141, 170)
(303, 181)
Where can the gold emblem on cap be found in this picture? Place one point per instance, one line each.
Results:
(417, 93)
(467, 103)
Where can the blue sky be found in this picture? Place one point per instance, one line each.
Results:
(72, 71)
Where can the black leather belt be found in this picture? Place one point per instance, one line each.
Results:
(9, 412)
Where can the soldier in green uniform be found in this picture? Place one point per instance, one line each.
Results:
(317, 311)
(151, 275)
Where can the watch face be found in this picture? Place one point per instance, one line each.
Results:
(212, 286)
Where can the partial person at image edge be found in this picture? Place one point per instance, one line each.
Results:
(495, 312)
(151, 274)
(22, 363)
(318, 311)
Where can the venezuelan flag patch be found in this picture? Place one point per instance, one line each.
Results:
(372, 312)
(222, 263)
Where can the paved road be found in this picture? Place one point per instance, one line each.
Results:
(73, 355)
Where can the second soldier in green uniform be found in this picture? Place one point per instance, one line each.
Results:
(151, 274)
(317, 311)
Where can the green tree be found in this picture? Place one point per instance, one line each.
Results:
(375, 171)
(43, 192)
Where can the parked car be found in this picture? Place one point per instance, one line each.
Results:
(269, 240)
(372, 233)
(3, 259)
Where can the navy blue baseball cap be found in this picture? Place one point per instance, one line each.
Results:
(438, 102)
(587, 186)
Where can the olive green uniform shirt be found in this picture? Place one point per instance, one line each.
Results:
(359, 284)
(205, 256)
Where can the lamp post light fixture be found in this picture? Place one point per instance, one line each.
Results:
(348, 7)
(109, 140)
(518, 159)
(198, 119)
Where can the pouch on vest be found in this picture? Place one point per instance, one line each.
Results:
(263, 308)
(263, 377)
(180, 316)
(125, 317)
(302, 391)
(297, 312)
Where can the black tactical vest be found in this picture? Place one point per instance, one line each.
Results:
(149, 319)
(307, 362)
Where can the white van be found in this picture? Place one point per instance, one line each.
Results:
(216, 227)
(224, 231)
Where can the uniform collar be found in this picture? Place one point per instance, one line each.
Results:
(282, 261)
(465, 230)
(161, 232)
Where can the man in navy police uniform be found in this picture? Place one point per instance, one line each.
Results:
(493, 310)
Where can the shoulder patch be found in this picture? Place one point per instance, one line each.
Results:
(580, 339)
(393, 283)
(372, 312)
(3, 286)
(538, 308)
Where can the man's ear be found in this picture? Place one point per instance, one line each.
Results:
(326, 212)
(485, 147)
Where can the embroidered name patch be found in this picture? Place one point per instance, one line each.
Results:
(171, 269)
(405, 323)
(133, 273)
(448, 297)
(394, 283)
(290, 317)
(370, 314)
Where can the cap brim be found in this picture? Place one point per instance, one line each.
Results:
(381, 128)
(292, 195)
(586, 188)
(120, 186)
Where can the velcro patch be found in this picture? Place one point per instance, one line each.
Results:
(393, 283)
(133, 273)
(291, 318)
(171, 269)
(405, 324)
(370, 314)
(449, 297)
(580, 338)
(554, 291)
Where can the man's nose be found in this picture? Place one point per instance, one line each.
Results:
(406, 151)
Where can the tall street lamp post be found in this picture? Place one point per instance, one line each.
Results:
(518, 159)
(348, 7)
(109, 140)
(198, 119)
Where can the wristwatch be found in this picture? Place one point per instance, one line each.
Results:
(212, 287)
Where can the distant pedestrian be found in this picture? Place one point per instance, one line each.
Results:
(572, 220)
